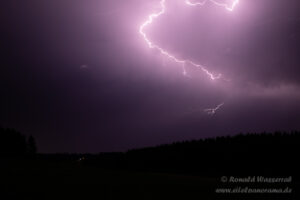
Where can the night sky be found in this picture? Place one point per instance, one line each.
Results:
(78, 76)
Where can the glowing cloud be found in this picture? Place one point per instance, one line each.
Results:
(164, 52)
(183, 62)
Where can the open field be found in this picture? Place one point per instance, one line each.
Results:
(66, 180)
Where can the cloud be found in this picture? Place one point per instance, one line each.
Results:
(84, 66)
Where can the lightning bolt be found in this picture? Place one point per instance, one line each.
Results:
(212, 111)
(183, 62)
(226, 6)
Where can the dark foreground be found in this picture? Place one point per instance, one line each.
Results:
(67, 180)
(264, 166)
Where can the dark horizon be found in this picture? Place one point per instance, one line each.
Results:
(78, 76)
(15, 135)
(256, 166)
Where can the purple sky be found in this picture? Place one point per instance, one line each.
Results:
(77, 75)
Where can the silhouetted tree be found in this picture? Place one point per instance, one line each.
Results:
(31, 145)
(13, 142)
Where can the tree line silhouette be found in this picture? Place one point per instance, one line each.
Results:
(252, 152)
(263, 153)
(14, 143)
